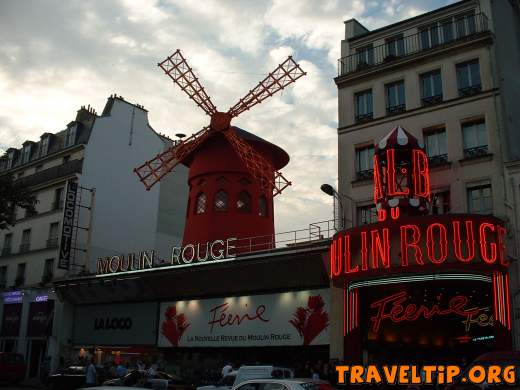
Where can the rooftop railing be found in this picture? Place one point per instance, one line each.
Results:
(437, 34)
(317, 231)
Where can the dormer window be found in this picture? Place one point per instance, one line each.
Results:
(70, 138)
(10, 159)
(44, 146)
(26, 153)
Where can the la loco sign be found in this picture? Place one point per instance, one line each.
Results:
(461, 240)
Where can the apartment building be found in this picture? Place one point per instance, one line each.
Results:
(89, 204)
(442, 76)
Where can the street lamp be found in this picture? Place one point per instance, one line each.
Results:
(338, 216)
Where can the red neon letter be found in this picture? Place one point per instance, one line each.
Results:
(501, 232)
(348, 257)
(391, 179)
(364, 251)
(490, 259)
(443, 243)
(335, 259)
(380, 249)
(405, 244)
(421, 174)
(470, 242)
(378, 189)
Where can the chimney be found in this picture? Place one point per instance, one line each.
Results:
(86, 115)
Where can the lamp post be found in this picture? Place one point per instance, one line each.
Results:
(339, 215)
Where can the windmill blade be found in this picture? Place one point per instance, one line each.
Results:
(177, 68)
(152, 171)
(259, 168)
(286, 73)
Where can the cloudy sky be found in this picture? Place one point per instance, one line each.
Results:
(58, 55)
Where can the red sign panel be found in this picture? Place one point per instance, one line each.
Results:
(461, 240)
(41, 315)
(11, 320)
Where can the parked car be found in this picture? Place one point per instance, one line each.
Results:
(160, 379)
(244, 373)
(277, 384)
(12, 367)
(117, 388)
(72, 377)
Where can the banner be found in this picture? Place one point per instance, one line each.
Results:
(11, 320)
(41, 316)
(289, 318)
(116, 324)
(69, 209)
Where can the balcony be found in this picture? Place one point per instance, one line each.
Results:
(19, 281)
(58, 205)
(431, 100)
(470, 90)
(475, 152)
(25, 247)
(52, 242)
(394, 110)
(438, 160)
(360, 118)
(367, 174)
(6, 251)
(444, 35)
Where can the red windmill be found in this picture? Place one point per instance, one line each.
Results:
(233, 174)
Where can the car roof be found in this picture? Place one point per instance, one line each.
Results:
(116, 388)
(272, 380)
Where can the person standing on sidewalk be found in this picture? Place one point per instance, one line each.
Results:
(91, 374)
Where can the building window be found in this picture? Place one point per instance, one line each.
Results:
(58, 198)
(465, 25)
(48, 270)
(364, 162)
(480, 200)
(26, 154)
(429, 36)
(468, 78)
(244, 202)
(447, 30)
(200, 205)
(20, 275)
(8, 241)
(221, 201)
(44, 146)
(394, 46)
(366, 214)
(70, 137)
(395, 99)
(52, 241)
(365, 56)
(3, 276)
(364, 108)
(435, 145)
(431, 87)
(262, 206)
(440, 203)
(25, 245)
(474, 139)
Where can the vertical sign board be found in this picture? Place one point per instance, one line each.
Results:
(11, 320)
(41, 316)
(67, 225)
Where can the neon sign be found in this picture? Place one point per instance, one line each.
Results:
(180, 256)
(428, 241)
(396, 309)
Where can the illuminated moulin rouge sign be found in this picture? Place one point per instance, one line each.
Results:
(405, 236)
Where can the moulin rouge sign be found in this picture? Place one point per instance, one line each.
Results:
(405, 237)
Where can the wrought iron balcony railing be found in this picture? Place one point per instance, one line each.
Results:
(6, 250)
(431, 100)
(52, 242)
(25, 247)
(476, 151)
(441, 34)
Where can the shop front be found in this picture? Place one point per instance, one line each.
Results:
(124, 332)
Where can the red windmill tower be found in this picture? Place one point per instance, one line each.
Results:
(233, 174)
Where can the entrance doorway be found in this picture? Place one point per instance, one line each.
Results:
(37, 350)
